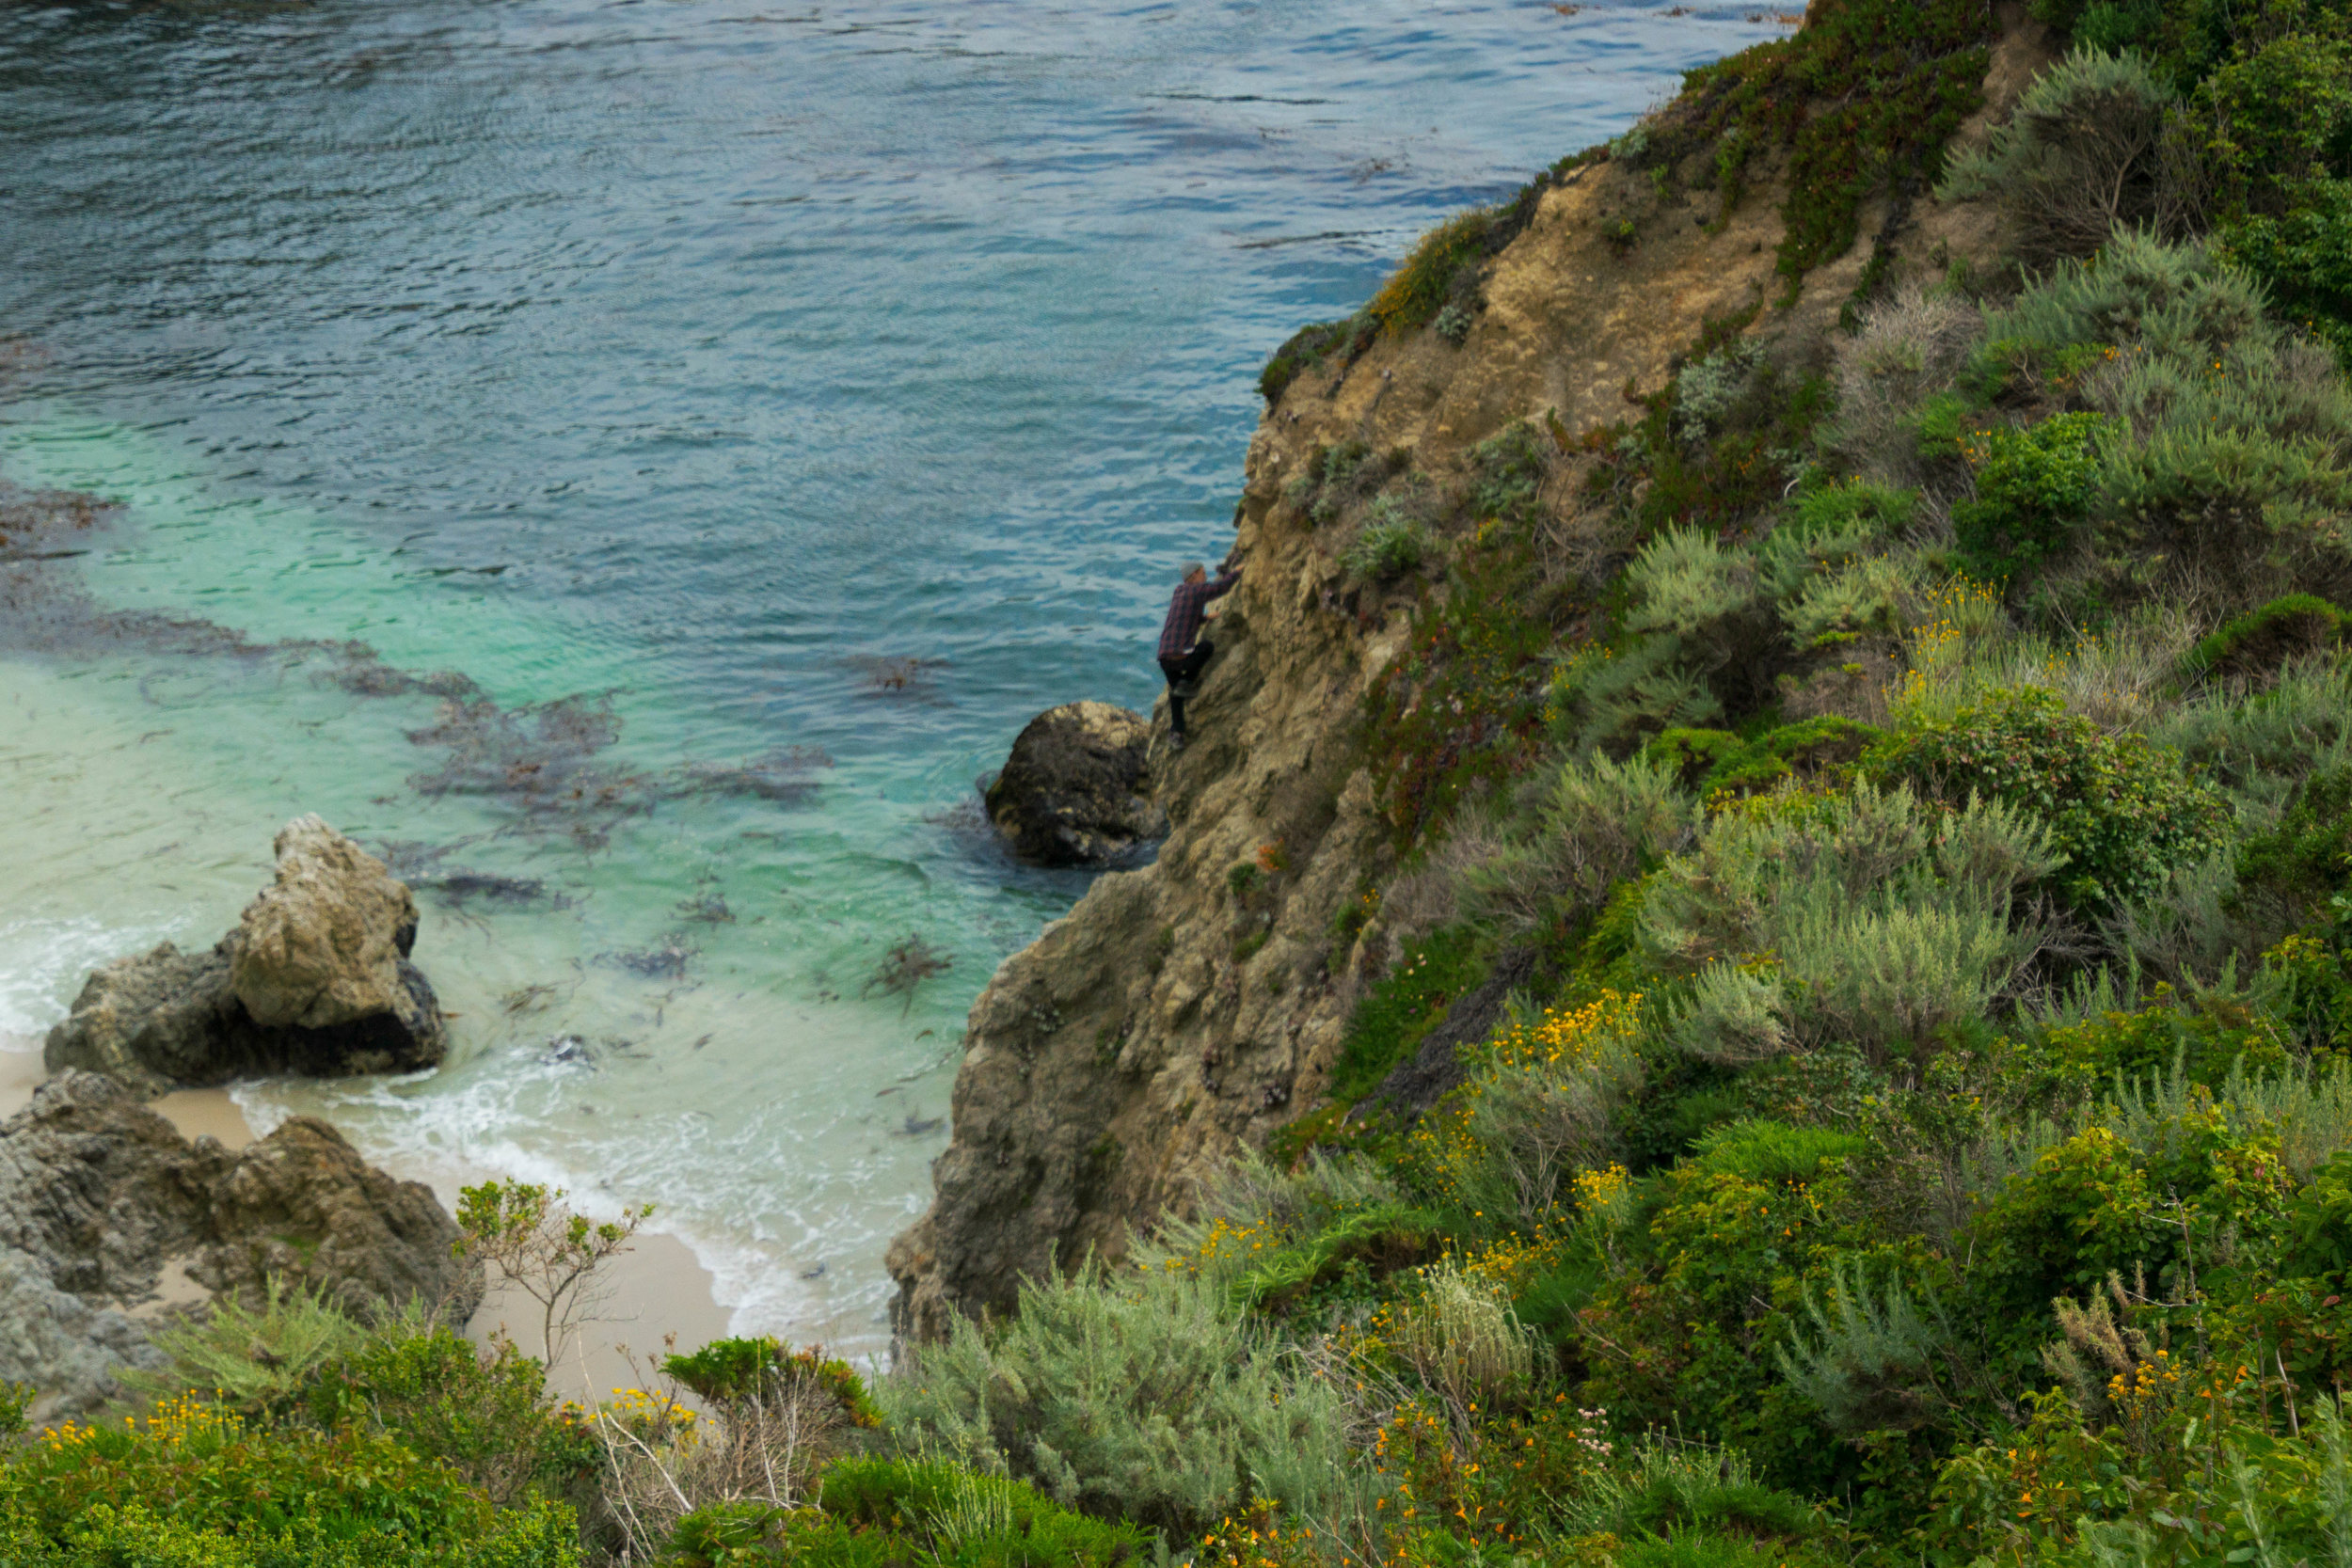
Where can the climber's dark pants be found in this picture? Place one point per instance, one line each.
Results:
(1181, 673)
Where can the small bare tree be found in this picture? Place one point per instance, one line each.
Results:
(542, 1249)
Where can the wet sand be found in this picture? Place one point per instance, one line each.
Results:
(653, 1297)
(196, 1113)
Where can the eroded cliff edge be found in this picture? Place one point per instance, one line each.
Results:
(1173, 1016)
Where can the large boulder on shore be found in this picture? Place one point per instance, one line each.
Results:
(110, 1221)
(314, 980)
(1076, 789)
(322, 944)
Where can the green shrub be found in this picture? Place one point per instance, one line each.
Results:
(257, 1361)
(2303, 258)
(1700, 634)
(880, 1513)
(199, 1466)
(1600, 822)
(2257, 643)
(1308, 347)
(2177, 301)
(136, 1536)
(1390, 543)
(1336, 479)
(1671, 1486)
(1881, 921)
(1712, 761)
(2251, 513)
(2308, 856)
(1153, 1401)
(728, 1371)
(1771, 1152)
(2077, 159)
(2034, 488)
(1540, 1100)
(2276, 116)
(1460, 1337)
(1693, 755)
(1508, 471)
(488, 1415)
(1707, 390)
(1417, 291)
(1854, 509)
(2260, 748)
(2121, 812)
(1872, 1362)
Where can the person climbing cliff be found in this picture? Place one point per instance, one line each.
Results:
(1184, 652)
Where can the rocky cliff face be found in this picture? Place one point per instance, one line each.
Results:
(109, 1220)
(1168, 1018)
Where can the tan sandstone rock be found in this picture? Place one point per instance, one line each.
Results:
(315, 980)
(321, 945)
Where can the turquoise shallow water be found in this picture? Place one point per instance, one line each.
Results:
(724, 423)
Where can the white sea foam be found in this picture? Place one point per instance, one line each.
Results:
(43, 963)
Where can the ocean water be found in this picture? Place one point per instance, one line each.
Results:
(635, 462)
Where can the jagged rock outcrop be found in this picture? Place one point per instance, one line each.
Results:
(1190, 1007)
(314, 980)
(107, 1216)
(1076, 789)
(322, 944)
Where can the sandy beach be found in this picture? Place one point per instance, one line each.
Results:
(654, 1294)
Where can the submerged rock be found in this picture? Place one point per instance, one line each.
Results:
(108, 1218)
(1076, 789)
(314, 980)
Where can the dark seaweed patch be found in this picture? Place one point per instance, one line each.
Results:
(709, 908)
(781, 776)
(666, 961)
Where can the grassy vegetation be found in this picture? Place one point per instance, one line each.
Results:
(1907, 782)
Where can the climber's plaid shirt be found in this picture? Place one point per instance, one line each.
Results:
(1187, 610)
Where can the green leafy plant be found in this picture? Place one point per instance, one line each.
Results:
(729, 1370)
(2121, 812)
(1417, 291)
(259, 1360)
(1390, 543)
(2034, 489)
(1154, 1402)
(523, 1231)
(2254, 645)
(2078, 158)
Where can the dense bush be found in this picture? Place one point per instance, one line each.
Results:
(2033, 491)
(136, 1536)
(1860, 916)
(1391, 543)
(2254, 646)
(2121, 812)
(1417, 291)
(196, 1479)
(2078, 158)
(877, 1513)
(488, 1415)
(1152, 1399)
(1600, 823)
